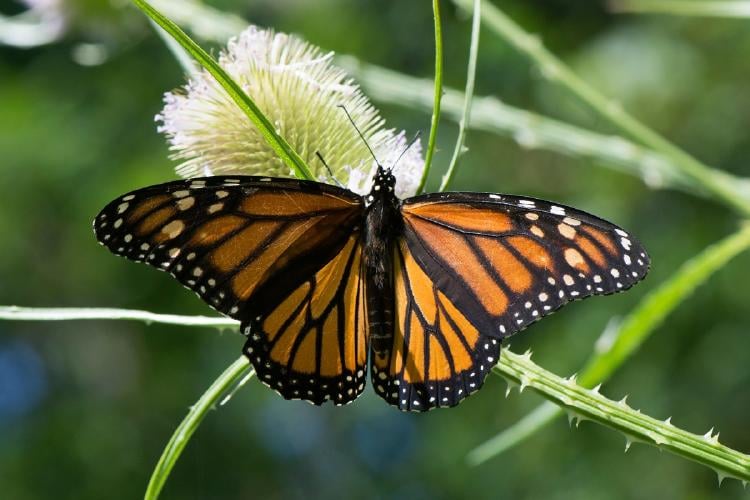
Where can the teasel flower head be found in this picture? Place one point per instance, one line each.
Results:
(297, 86)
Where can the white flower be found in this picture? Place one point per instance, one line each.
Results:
(299, 89)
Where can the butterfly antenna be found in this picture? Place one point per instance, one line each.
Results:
(330, 172)
(411, 143)
(360, 133)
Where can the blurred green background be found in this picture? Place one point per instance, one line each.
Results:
(86, 407)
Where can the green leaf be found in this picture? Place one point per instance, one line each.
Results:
(246, 104)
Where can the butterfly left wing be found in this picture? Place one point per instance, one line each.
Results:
(471, 269)
(280, 255)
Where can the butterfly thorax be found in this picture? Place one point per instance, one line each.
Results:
(381, 225)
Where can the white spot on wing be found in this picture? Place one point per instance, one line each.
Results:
(173, 229)
(186, 203)
(566, 231)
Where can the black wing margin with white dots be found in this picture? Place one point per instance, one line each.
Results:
(249, 247)
(476, 268)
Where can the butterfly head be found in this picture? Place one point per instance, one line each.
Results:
(383, 185)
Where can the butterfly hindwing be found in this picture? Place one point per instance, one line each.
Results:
(438, 355)
(257, 249)
(313, 345)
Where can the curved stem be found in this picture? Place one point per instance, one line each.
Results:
(236, 374)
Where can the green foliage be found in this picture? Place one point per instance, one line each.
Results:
(677, 366)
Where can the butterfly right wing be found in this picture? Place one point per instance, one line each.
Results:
(280, 255)
(471, 269)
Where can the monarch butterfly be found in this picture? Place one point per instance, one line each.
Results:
(325, 281)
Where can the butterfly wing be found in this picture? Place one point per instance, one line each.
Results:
(313, 345)
(280, 255)
(471, 269)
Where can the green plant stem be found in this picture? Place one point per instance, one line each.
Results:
(101, 313)
(488, 113)
(556, 71)
(588, 404)
(437, 95)
(714, 8)
(519, 370)
(282, 148)
(617, 344)
(236, 374)
(532, 130)
(471, 72)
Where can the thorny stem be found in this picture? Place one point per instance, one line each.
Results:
(589, 404)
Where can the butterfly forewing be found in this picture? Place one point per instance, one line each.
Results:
(508, 261)
(280, 255)
(231, 239)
